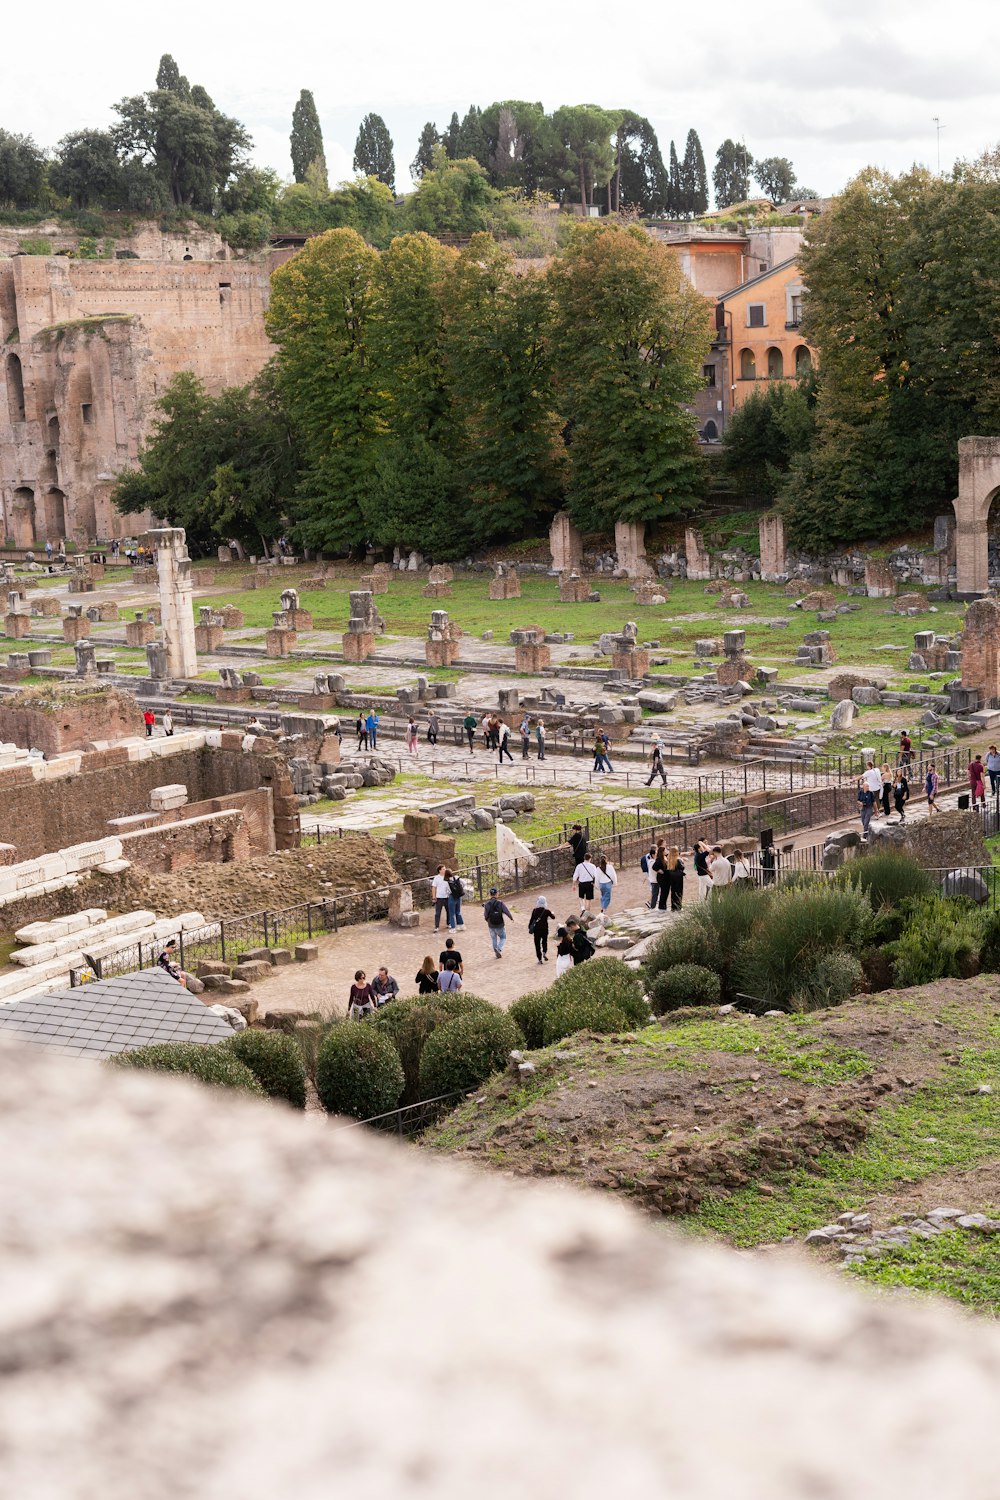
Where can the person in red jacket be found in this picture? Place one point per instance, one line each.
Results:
(149, 719)
(977, 780)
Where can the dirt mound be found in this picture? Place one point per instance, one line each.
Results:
(699, 1107)
(268, 883)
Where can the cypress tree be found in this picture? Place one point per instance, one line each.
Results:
(450, 139)
(424, 159)
(694, 178)
(306, 138)
(373, 151)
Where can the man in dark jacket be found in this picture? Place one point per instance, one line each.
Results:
(578, 843)
(583, 948)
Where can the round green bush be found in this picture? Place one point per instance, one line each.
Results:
(215, 1065)
(712, 934)
(529, 1014)
(275, 1060)
(358, 1071)
(408, 1023)
(603, 995)
(686, 941)
(684, 984)
(463, 1052)
(830, 980)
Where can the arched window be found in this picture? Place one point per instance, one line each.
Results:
(803, 361)
(775, 364)
(15, 389)
(710, 433)
(748, 365)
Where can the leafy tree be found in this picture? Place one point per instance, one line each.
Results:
(511, 451)
(675, 191)
(252, 190)
(584, 132)
(373, 151)
(731, 174)
(22, 171)
(764, 434)
(169, 77)
(693, 195)
(629, 336)
(307, 138)
(424, 159)
(220, 466)
(319, 317)
(522, 148)
(450, 137)
(775, 177)
(86, 169)
(641, 179)
(454, 197)
(471, 142)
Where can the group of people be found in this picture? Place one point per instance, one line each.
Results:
(497, 734)
(166, 722)
(888, 787)
(366, 729)
(713, 871)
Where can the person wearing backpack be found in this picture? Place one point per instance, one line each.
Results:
(441, 891)
(469, 725)
(538, 926)
(583, 948)
(456, 891)
(525, 733)
(449, 979)
(495, 911)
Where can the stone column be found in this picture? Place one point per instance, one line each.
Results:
(173, 572)
(981, 651)
(566, 545)
(699, 564)
(630, 549)
(773, 563)
(880, 580)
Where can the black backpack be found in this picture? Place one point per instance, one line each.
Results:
(456, 888)
(493, 913)
(583, 948)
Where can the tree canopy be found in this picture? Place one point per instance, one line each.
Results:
(307, 140)
(373, 151)
(731, 174)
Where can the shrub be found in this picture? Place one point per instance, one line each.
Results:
(886, 878)
(829, 980)
(941, 940)
(684, 984)
(603, 995)
(358, 1071)
(408, 1023)
(797, 927)
(989, 952)
(712, 933)
(275, 1060)
(215, 1065)
(463, 1052)
(687, 941)
(529, 1014)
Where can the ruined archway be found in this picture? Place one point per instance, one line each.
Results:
(54, 504)
(22, 517)
(978, 484)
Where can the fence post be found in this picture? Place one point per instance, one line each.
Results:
(479, 878)
(222, 938)
(309, 918)
(265, 929)
(180, 940)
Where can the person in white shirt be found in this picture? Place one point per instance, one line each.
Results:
(607, 880)
(585, 877)
(441, 891)
(872, 779)
(720, 868)
(741, 866)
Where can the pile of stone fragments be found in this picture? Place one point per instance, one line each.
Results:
(855, 1239)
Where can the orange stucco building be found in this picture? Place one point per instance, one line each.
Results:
(759, 327)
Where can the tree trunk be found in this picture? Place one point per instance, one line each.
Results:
(583, 184)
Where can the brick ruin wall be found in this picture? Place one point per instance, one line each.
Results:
(72, 724)
(77, 397)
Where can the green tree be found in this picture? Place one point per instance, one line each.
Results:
(731, 174)
(511, 449)
(373, 151)
(675, 192)
(220, 466)
(452, 197)
(585, 132)
(521, 147)
(424, 159)
(450, 138)
(764, 434)
(22, 171)
(693, 195)
(775, 177)
(641, 180)
(629, 337)
(319, 317)
(169, 77)
(86, 169)
(307, 138)
(252, 190)
(471, 142)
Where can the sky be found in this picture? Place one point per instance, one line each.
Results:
(833, 84)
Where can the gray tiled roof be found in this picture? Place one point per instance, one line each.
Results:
(114, 1015)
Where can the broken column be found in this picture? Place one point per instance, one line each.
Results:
(630, 549)
(298, 618)
(815, 650)
(140, 631)
(981, 651)
(773, 563)
(699, 564)
(231, 689)
(173, 572)
(574, 589)
(209, 631)
(880, 580)
(86, 658)
(380, 575)
(439, 581)
(530, 651)
(76, 626)
(506, 581)
(566, 545)
(359, 637)
(736, 667)
(441, 646)
(649, 592)
(156, 661)
(17, 621)
(280, 640)
(626, 657)
(81, 581)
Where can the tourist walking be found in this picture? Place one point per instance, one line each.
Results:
(503, 742)
(661, 872)
(456, 890)
(525, 733)
(886, 788)
(450, 957)
(583, 948)
(168, 723)
(607, 880)
(441, 891)
(538, 926)
(931, 788)
(901, 793)
(578, 842)
(648, 868)
(600, 763)
(426, 978)
(494, 911)
(469, 725)
(448, 979)
(432, 730)
(361, 731)
(606, 740)
(872, 778)
(564, 951)
(384, 987)
(360, 1000)
(977, 780)
(487, 728)
(656, 767)
(149, 719)
(720, 869)
(866, 804)
(540, 738)
(905, 749)
(48, 551)
(585, 878)
(675, 875)
(411, 736)
(993, 767)
(702, 871)
(371, 724)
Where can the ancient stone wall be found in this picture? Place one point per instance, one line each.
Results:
(215, 838)
(981, 651)
(60, 720)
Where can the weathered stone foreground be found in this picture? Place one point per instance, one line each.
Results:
(206, 1297)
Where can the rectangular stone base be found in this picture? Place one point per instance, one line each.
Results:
(16, 626)
(733, 670)
(233, 695)
(632, 664)
(75, 628)
(358, 645)
(299, 619)
(532, 658)
(208, 638)
(440, 653)
(139, 632)
(318, 703)
(405, 919)
(573, 589)
(280, 642)
(436, 590)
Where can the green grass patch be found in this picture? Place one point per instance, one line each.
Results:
(961, 1265)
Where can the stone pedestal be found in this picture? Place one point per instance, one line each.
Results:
(86, 659)
(358, 645)
(280, 642)
(736, 668)
(699, 564)
(298, 619)
(156, 661)
(106, 612)
(232, 618)
(630, 549)
(649, 593)
(442, 652)
(18, 626)
(565, 544)
(633, 664)
(532, 656)
(81, 584)
(773, 562)
(364, 617)
(573, 589)
(380, 575)
(401, 913)
(506, 582)
(75, 628)
(139, 632)
(173, 571)
(880, 581)
(208, 638)
(436, 591)
(47, 607)
(224, 694)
